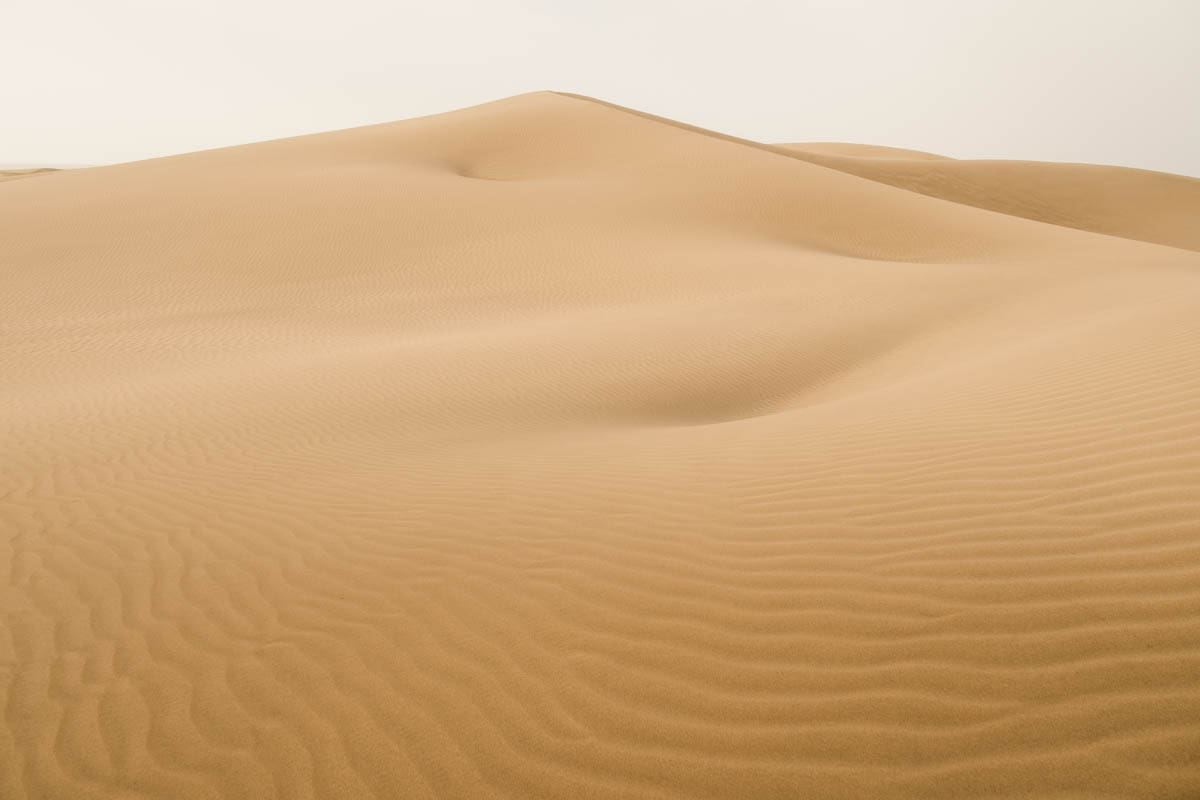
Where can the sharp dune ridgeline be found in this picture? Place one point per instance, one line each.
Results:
(547, 449)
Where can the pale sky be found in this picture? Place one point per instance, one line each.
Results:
(1105, 81)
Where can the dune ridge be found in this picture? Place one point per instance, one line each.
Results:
(549, 449)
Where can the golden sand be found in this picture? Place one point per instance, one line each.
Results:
(547, 449)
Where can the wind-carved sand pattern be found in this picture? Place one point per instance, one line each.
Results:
(546, 449)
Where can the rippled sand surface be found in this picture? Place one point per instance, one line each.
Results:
(546, 449)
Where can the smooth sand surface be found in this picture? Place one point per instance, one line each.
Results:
(546, 449)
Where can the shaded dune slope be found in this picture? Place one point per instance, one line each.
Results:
(545, 449)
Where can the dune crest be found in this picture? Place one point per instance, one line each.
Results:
(545, 449)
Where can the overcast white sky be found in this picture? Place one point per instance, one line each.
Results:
(1106, 81)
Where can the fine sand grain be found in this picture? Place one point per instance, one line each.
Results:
(547, 449)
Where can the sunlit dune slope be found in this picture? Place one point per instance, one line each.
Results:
(546, 449)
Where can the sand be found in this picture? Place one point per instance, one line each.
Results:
(546, 449)
(13, 174)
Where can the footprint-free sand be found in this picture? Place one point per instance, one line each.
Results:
(547, 449)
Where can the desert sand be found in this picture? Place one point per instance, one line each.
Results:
(547, 449)
(13, 174)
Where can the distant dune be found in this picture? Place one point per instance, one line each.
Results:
(1131, 203)
(547, 449)
(13, 174)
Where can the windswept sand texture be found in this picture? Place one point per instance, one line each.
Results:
(546, 449)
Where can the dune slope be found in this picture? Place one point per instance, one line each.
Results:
(548, 450)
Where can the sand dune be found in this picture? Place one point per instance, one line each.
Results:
(872, 151)
(13, 174)
(1131, 203)
(545, 449)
